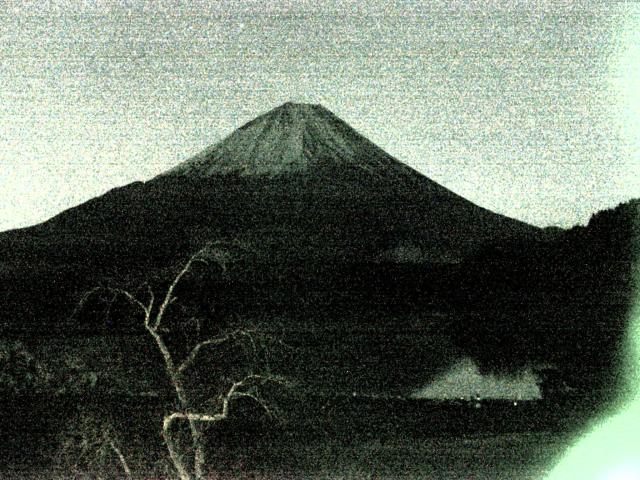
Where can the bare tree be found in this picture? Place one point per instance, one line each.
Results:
(154, 311)
(91, 443)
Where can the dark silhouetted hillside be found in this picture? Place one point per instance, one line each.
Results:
(563, 302)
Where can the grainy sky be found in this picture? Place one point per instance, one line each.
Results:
(526, 108)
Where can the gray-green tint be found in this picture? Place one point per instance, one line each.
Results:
(526, 108)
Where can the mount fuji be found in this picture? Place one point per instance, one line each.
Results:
(330, 225)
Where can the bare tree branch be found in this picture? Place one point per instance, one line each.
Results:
(235, 391)
(211, 342)
(116, 450)
(245, 388)
(152, 297)
(250, 380)
(146, 309)
(168, 298)
(84, 299)
(258, 400)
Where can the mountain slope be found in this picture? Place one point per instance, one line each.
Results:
(297, 186)
(293, 167)
(292, 138)
(329, 223)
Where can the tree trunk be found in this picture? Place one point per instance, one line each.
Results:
(196, 434)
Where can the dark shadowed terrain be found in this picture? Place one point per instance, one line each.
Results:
(372, 278)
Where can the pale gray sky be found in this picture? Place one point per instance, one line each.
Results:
(526, 108)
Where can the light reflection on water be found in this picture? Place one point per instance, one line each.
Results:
(464, 380)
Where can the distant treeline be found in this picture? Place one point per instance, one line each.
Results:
(564, 302)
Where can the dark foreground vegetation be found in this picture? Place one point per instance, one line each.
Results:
(510, 304)
(323, 437)
(558, 302)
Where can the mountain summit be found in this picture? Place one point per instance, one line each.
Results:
(294, 137)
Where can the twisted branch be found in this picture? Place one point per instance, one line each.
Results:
(187, 362)
(175, 372)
